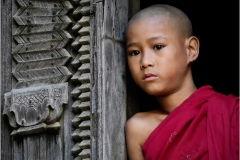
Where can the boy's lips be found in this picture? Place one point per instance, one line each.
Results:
(149, 77)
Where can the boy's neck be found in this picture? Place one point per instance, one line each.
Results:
(170, 102)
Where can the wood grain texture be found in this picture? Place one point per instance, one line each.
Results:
(43, 37)
(110, 80)
(36, 43)
(6, 45)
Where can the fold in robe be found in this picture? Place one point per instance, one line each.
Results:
(205, 126)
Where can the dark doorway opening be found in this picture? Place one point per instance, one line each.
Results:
(217, 27)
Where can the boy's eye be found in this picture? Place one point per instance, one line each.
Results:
(134, 53)
(158, 47)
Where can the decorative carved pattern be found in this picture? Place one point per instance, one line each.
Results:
(35, 109)
(39, 43)
(81, 106)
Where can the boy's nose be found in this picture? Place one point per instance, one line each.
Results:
(146, 66)
(147, 61)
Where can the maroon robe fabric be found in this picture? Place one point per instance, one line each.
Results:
(205, 126)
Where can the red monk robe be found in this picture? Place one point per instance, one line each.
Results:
(205, 126)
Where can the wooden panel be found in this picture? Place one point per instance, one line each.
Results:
(109, 91)
(54, 147)
(43, 146)
(6, 43)
(37, 34)
(39, 40)
(97, 126)
(18, 149)
(33, 147)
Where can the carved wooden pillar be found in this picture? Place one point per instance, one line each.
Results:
(82, 105)
(63, 70)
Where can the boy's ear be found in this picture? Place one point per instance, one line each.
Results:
(192, 48)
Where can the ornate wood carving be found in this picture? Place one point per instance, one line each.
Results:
(82, 120)
(35, 109)
(39, 41)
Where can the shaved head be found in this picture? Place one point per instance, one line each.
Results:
(179, 19)
(159, 43)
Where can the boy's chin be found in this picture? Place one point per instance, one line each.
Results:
(157, 90)
(154, 92)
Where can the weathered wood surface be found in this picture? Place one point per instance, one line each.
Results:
(97, 90)
(82, 106)
(39, 40)
(6, 45)
(109, 90)
(37, 34)
(35, 109)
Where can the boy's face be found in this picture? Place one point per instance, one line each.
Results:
(157, 55)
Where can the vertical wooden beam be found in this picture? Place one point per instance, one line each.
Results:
(109, 91)
(5, 75)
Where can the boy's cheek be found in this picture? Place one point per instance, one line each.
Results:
(134, 71)
(135, 75)
(132, 64)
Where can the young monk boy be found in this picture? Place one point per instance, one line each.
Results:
(190, 123)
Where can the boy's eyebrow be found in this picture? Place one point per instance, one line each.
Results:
(150, 39)
(131, 44)
(157, 37)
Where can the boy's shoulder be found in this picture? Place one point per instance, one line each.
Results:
(217, 101)
(141, 118)
(142, 124)
(224, 103)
